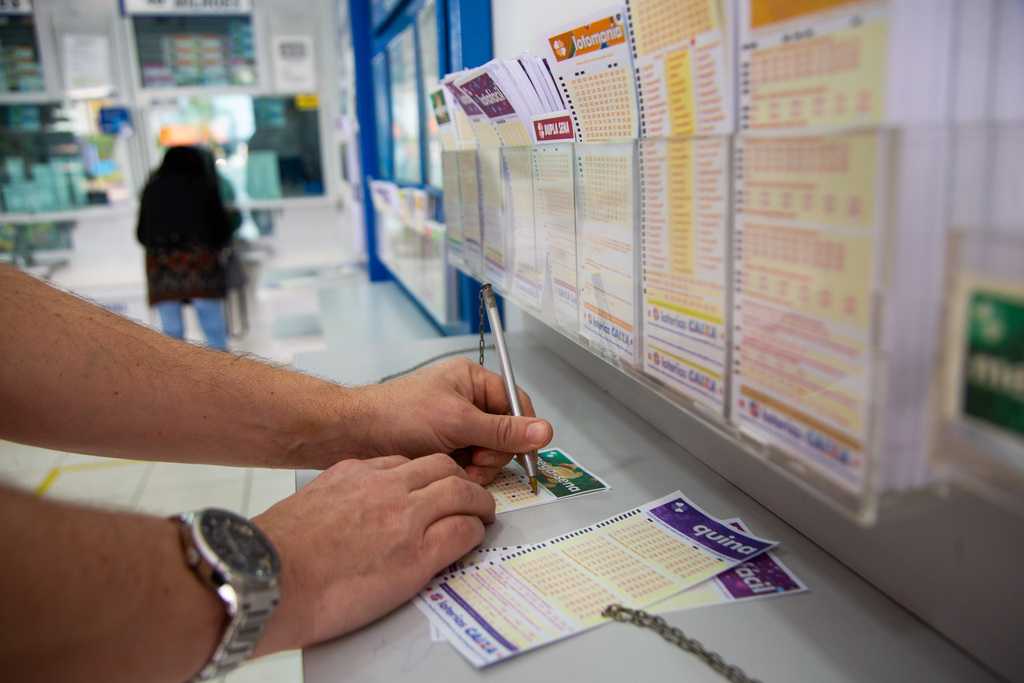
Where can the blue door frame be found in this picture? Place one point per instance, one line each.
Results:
(464, 41)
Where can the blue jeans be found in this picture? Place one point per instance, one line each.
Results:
(211, 319)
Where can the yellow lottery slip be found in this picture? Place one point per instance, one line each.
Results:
(469, 193)
(492, 193)
(555, 210)
(606, 244)
(452, 206)
(813, 64)
(807, 263)
(525, 278)
(532, 597)
(684, 235)
(683, 69)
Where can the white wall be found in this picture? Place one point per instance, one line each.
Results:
(521, 24)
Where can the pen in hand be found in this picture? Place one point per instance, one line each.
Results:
(528, 461)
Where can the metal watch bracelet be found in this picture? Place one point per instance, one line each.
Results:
(243, 631)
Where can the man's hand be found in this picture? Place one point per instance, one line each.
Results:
(362, 538)
(457, 407)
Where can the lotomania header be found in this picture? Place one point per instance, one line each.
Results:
(588, 38)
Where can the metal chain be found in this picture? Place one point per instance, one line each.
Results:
(482, 313)
(678, 638)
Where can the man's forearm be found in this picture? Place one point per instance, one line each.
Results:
(101, 596)
(76, 377)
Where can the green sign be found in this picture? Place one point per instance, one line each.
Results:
(993, 387)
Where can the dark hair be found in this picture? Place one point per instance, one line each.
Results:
(187, 161)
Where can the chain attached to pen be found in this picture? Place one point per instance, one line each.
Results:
(677, 638)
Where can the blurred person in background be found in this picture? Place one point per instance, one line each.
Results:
(184, 227)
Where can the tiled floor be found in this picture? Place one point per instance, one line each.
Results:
(284, 318)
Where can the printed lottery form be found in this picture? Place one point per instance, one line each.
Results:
(483, 130)
(554, 206)
(591, 63)
(762, 577)
(493, 102)
(469, 195)
(683, 72)
(559, 477)
(812, 63)
(807, 253)
(536, 596)
(684, 228)
(526, 278)
(452, 206)
(607, 250)
(465, 136)
(492, 192)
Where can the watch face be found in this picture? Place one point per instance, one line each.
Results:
(240, 545)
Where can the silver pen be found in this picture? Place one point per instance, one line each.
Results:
(528, 461)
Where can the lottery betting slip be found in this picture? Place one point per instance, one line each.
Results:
(765, 576)
(504, 606)
(559, 477)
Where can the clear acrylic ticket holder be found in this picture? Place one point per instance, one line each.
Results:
(979, 406)
(870, 245)
(452, 204)
(554, 211)
(607, 249)
(471, 200)
(521, 247)
(979, 439)
(494, 264)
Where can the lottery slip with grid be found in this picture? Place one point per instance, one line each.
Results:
(838, 251)
(498, 102)
(682, 60)
(535, 596)
(592, 65)
(492, 195)
(606, 246)
(500, 99)
(684, 218)
(559, 477)
(826, 64)
(526, 279)
(765, 576)
(554, 209)
(809, 215)
(469, 196)
(484, 131)
(458, 133)
(452, 206)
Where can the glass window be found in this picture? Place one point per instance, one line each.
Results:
(20, 70)
(405, 108)
(195, 51)
(265, 147)
(381, 10)
(382, 110)
(426, 26)
(53, 158)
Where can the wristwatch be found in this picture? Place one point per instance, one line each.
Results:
(240, 564)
